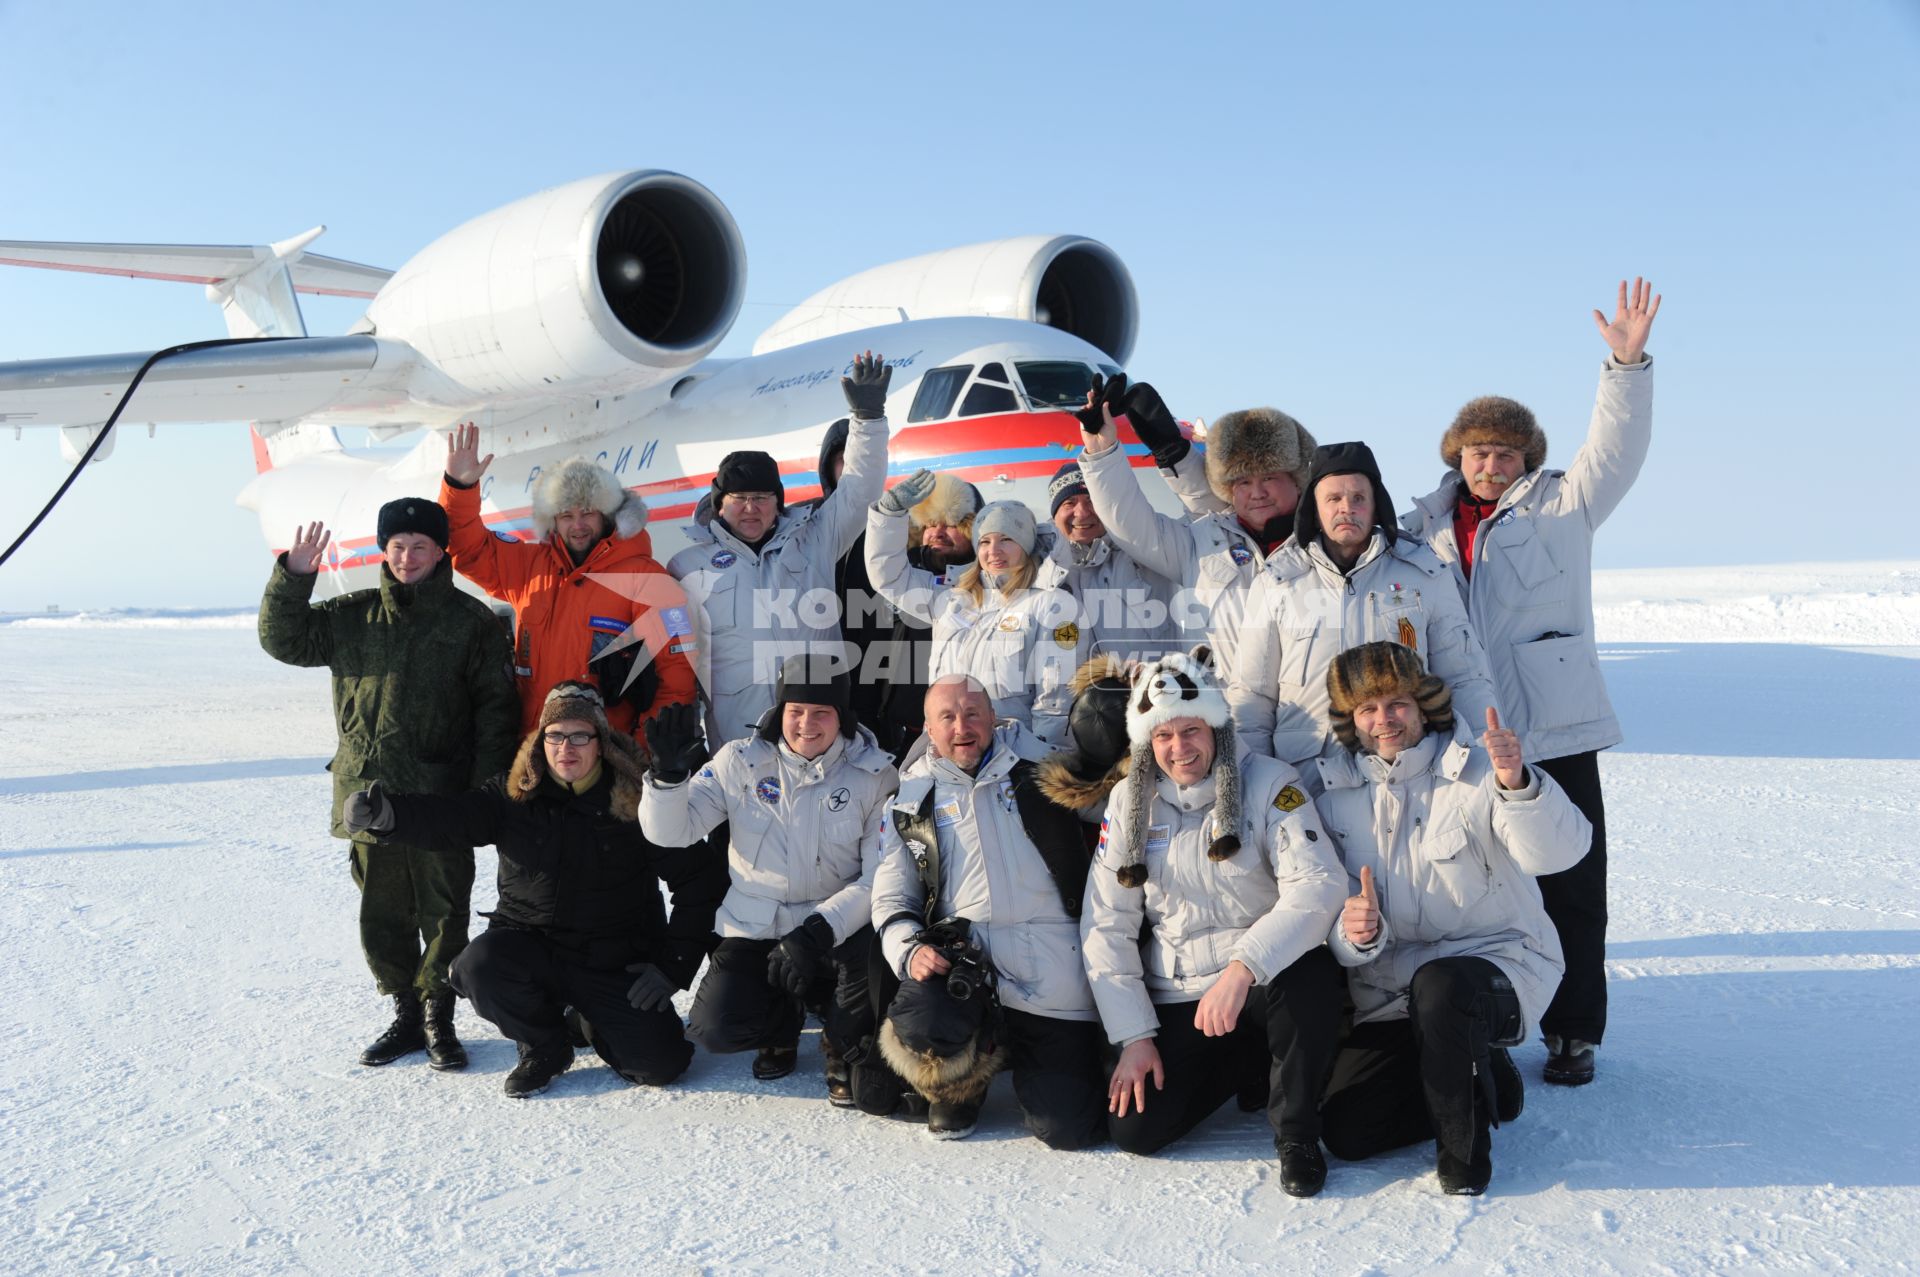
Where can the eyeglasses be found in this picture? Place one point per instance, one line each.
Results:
(749, 498)
(576, 739)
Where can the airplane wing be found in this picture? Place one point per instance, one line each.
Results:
(355, 380)
(198, 263)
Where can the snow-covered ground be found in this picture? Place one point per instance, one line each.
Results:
(184, 999)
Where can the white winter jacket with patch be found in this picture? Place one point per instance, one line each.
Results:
(990, 874)
(803, 836)
(753, 608)
(1266, 905)
(1454, 858)
(1024, 650)
(1531, 593)
(1302, 612)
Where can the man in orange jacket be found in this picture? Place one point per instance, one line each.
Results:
(576, 590)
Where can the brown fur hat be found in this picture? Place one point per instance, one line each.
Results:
(1492, 419)
(952, 501)
(571, 699)
(1374, 670)
(1256, 441)
(578, 484)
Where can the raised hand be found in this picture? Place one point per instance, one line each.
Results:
(909, 492)
(866, 390)
(367, 811)
(1360, 917)
(674, 736)
(465, 465)
(1129, 1081)
(1157, 427)
(1503, 747)
(1632, 321)
(1104, 402)
(309, 543)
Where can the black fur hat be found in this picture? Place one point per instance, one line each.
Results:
(748, 472)
(1342, 458)
(411, 514)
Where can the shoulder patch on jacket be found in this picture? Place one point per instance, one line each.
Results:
(1067, 635)
(1289, 798)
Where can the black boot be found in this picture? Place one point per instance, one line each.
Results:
(771, 1062)
(839, 1075)
(952, 1119)
(1303, 1171)
(1569, 1061)
(444, 1051)
(403, 1037)
(1510, 1092)
(1468, 1178)
(538, 1066)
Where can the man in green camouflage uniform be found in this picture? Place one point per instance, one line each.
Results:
(424, 702)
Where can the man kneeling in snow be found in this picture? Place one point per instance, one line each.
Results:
(1451, 955)
(971, 846)
(580, 914)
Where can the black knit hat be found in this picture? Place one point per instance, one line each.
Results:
(1342, 458)
(1067, 483)
(412, 514)
(748, 472)
(810, 679)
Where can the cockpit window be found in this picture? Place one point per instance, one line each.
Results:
(938, 389)
(988, 397)
(1055, 383)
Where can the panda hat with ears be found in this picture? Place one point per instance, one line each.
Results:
(1178, 685)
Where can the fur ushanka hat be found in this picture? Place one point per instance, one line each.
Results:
(1178, 686)
(578, 484)
(1376, 670)
(953, 502)
(1492, 419)
(574, 700)
(1256, 441)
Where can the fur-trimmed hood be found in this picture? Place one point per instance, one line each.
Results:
(618, 756)
(578, 483)
(953, 1079)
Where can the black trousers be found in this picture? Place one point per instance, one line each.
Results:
(1399, 1082)
(1576, 900)
(735, 1009)
(1058, 1077)
(520, 983)
(1282, 1045)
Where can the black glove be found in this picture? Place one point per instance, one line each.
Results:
(653, 991)
(866, 390)
(613, 670)
(797, 958)
(1148, 415)
(674, 737)
(367, 811)
(1108, 396)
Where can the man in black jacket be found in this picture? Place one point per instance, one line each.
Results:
(579, 922)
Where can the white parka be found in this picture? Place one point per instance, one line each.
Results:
(1302, 612)
(1454, 858)
(990, 873)
(753, 608)
(1268, 904)
(803, 836)
(1531, 593)
(1212, 558)
(1024, 650)
(1126, 609)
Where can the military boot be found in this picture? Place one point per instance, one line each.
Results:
(444, 1051)
(538, 1066)
(404, 1036)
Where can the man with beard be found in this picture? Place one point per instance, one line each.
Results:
(1256, 463)
(1519, 539)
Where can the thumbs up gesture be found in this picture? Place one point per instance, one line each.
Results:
(1360, 917)
(1503, 748)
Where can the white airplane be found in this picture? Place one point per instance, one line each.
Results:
(579, 320)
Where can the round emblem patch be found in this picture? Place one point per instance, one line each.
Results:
(838, 800)
(1009, 623)
(725, 559)
(768, 791)
(1067, 635)
(1241, 554)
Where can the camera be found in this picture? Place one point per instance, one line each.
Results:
(967, 973)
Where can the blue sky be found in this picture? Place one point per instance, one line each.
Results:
(1362, 214)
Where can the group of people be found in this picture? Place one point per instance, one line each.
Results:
(1284, 802)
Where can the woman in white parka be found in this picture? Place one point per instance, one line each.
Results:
(1450, 954)
(1022, 642)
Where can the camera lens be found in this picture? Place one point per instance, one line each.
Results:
(959, 985)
